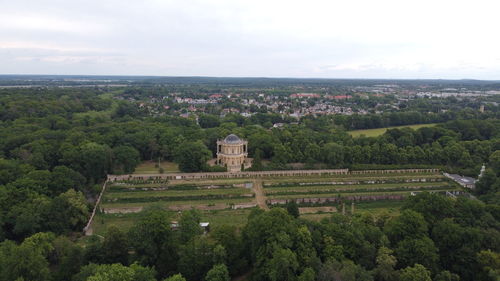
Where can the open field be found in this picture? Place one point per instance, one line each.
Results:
(150, 167)
(230, 200)
(381, 131)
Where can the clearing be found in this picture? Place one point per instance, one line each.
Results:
(380, 131)
(230, 200)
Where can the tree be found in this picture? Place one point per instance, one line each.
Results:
(282, 266)
(218, 273)
(333, 154)
(422, 251)
(333, 270)
(125, 159)
(386, 262)
(446, 276)
(30, 216)
(67, 258)
(409, 224)
(95, 159)
(306, 254)
(192, 156)
(281, 156)
(115, 272)
(208, 121)
(494, 161)
(487, 183)
(152, 239)
(266, 231)
(312, 152)
(293, 209)
(490, 263)
(189, 225)
(415, 273)
(196, 258)
(27, 261)
(63, 179)
(307, 275)
(257, 160)
(68, 211)
(176, 277)
(228, 237)
(115, 246)
(220, 254)
(433, 207)
(93, 251)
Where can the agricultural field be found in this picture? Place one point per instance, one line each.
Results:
(381, 131)
(229, 201)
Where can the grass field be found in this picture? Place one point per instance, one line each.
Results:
(123, 201)
(216, 218)
(381, 131)
(149, 167)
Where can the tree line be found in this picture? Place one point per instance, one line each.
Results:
(434, 238)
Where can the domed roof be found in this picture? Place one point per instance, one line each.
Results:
(232, 138)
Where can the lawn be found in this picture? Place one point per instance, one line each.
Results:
(150, 167)
(215, 202)
(178, 193)
(217, 218)
(381, 131)
(352, 188)
(165, 204)
(357, 177)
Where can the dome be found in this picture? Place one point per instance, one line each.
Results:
(232, 139)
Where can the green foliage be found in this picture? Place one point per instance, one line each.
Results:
(208, 121)
(386, 263)
(196, 258)
(115, 246)
(176, 277)
(293, 209)
(433, 207)
(307, 275)
(446, 276)
(490, 263)
(56, 144)
(125, 159)
(231, 241)
(28, 260)
(422, 251)
(68, 256)
(494, 161)
(409, 224)
(218, 273)
(192, 156)
(189, 225)
(333, 270)
(415, 273)
(153, 242)
(115, 272)
(283, 265)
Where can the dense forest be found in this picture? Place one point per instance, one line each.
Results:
(57, 145)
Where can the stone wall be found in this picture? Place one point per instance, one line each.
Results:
(262, 174)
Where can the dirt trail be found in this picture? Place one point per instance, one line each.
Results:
(260, 197)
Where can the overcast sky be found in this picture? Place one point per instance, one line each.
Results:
(265, 38)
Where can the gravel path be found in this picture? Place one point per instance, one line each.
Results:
(260, 197)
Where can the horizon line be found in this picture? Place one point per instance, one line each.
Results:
(247, 77)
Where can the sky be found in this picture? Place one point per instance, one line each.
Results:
(436, 39)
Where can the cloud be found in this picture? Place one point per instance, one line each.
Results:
(316, 38)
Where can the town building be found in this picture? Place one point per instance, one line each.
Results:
(232, 152)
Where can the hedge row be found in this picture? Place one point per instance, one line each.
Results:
(176, 198)
(354, 182)
(360, 190)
